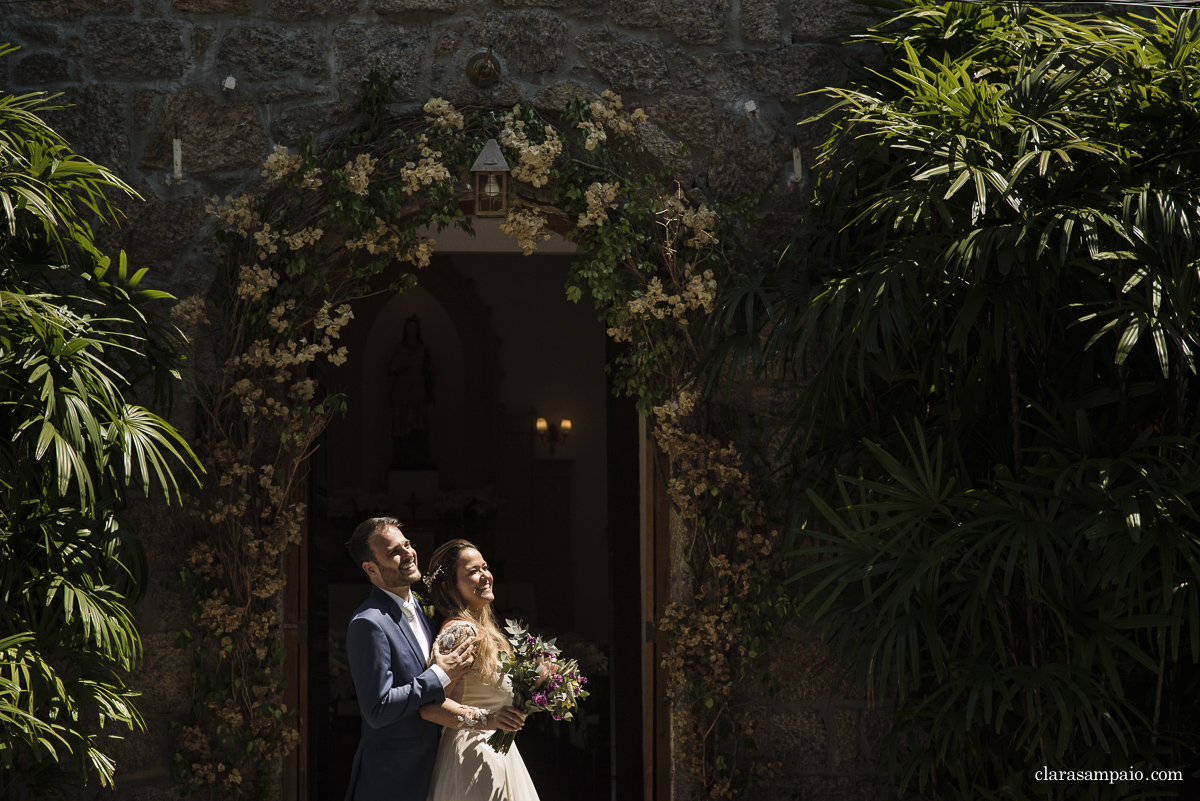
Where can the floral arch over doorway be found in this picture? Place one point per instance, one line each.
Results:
(324, 223)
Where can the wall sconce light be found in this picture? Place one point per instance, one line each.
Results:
(553, 433)
(491, 182)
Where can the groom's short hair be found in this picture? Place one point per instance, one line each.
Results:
(360, 541)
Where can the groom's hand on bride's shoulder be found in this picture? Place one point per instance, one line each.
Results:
(457, 660)
(507, 718)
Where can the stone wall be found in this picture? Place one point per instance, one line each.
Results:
(139, 73)
(722, 76)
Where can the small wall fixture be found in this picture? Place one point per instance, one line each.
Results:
(176, 175)
(553, 433)
(483, 69)
(491, 182)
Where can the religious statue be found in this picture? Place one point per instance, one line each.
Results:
(410, 373)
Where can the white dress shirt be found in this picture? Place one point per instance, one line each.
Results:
(409, 608)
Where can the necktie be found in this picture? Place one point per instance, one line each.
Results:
(410, 614)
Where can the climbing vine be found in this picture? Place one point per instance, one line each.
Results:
(318, 227)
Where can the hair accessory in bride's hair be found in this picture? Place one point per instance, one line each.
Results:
(453, 634)
(472, 718)
(431, 578)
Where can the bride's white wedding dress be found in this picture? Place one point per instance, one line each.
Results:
(467, 768)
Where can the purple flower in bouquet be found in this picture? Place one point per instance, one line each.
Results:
(534, 688)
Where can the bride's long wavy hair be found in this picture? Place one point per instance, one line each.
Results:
(442, 581)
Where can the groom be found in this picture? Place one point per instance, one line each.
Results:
(388, 645)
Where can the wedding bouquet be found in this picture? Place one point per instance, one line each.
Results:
(559, 694)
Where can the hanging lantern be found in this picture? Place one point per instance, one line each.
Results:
(491, 182)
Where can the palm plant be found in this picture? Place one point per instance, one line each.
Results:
(997, 330)
(76, 334)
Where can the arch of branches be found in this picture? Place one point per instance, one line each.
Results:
(325, 222)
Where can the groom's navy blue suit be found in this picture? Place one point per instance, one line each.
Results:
(395, 756)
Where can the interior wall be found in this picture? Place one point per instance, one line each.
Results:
(552, 354)
(374, 417)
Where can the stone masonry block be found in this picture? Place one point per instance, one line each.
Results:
(698, 21)
(875, 725)
(778, 74)
(166, 791)
(132, 754)
(390, 49)
(402, 6)
(793, 736)
(529, 42)
(150, 232)
(658, 150)
(846, 751)
(93, 122)
(165, 675)
(622, 62)
(556, 98)
(550, 3)
(760, 23)
(40, 69)
(263, 53)
(461, 92)
(164, 608)
(639, 13)
(741, 164)
(216, 136)
(292, 125)
(804, 674)
(786, 72)
(692, 21)
(76, 9)
(161, 527)
(820, 19)
(459, 40)
(687, 116)
(234, 7)
(143, 106)
(137, 50)
(297, 10)
(33, 34)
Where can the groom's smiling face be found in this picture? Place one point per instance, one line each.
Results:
(395, 564)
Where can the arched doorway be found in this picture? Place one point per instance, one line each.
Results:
(506, 347)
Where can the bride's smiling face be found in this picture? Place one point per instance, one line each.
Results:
(474, 579)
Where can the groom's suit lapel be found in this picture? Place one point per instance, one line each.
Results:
(397, 616)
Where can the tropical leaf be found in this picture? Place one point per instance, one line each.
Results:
(76, 338)
(995, 429)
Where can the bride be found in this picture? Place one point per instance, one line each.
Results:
(467, 768)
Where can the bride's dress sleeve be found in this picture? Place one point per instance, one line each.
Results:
(453, 632)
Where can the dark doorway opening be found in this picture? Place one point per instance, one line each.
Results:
(503, 355)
